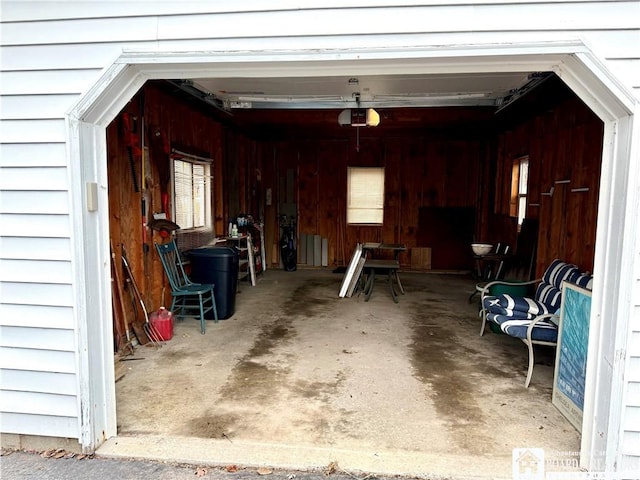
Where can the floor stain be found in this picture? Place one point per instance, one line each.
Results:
(322, 391)
(306, 300)
(438, 364)
(173, 356)
(269, 337)
(254, 377)
(324, 425)
(213, 426)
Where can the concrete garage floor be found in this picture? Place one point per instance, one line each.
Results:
(299, 378)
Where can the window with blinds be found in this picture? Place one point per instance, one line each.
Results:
(519, 183)
(365, 195)
(192, 193)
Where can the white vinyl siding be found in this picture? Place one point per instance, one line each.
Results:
(41, 155)
(40, 225)
(37, 107)
(38, 316)
(63, 82)
(41, 425)
(84, 39)
(45, 202)
(25, 381)
(52, 52)
(631, 428)
(31, 179)
(36, 248)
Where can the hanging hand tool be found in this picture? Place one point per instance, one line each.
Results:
(133, 149)
(145, 246)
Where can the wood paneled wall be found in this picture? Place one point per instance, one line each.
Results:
(564, 143)
(168, 122)
(421, 170)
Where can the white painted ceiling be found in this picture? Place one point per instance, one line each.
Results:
(384, 91)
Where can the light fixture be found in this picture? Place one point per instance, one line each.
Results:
(359, 117)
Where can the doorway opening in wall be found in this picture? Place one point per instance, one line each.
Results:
(263, 366)
(229, 383)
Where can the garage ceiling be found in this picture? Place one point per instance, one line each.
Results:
(369, 91)
(290, 106)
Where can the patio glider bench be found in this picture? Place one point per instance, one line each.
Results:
(533, 320)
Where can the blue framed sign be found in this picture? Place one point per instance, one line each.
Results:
(570, 375)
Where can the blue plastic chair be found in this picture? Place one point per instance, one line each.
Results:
(187, 297)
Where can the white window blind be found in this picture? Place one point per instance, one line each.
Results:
(523, 182)
(519, 182)
(365, 195)
(192, 193)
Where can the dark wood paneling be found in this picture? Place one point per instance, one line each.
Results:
(564, 143)
(420, 170)
(448, 231)
(169, 122)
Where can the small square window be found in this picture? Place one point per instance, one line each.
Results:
(365, 195)
(192, 193)
(519, 183)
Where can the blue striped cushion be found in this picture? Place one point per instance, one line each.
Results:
(545, 330)
(514, 314)
(520, 307)
(549, 291)
(549, 295)
(559, 271)
(584, 280)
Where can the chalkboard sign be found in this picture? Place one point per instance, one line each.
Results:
(571, 355)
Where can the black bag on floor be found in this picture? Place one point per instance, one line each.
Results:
(288, 252)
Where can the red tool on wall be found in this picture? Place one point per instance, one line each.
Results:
(132, 142)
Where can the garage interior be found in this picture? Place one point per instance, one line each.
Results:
(298, 377)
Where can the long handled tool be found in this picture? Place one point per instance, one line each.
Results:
(118, 304)
(149, 329)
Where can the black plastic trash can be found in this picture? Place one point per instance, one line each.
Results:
(217, 265)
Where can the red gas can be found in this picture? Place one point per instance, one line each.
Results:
(162, 321)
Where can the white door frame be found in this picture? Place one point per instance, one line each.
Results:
(572, 61)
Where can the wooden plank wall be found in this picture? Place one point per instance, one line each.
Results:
(420, 170)
(180, 125)
(563, 144)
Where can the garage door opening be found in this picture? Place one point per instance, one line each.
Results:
(104, 115)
